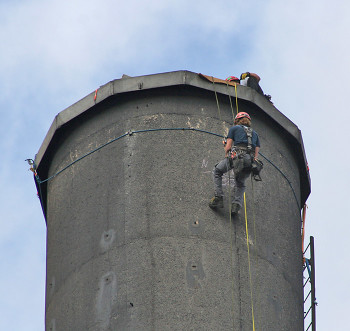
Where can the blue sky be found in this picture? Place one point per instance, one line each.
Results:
(55, 52)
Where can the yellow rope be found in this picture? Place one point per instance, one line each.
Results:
(236, 98)
(229, 96)
(257, 290)
(229, 194)
(231, 241)
(230, 206)
(250, 274)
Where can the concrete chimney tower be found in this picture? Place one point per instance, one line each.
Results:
(124, 177)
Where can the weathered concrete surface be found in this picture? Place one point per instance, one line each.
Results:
(131, 241)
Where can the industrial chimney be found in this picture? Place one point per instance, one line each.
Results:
(124, 177)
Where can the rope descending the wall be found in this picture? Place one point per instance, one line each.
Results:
(249, 268)
(229, 96)
(245, 212)
(216, 97)
(229, 193)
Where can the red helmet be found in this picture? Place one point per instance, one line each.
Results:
(241, 115)
(232, 79)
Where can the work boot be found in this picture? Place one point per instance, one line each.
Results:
(216, 202)
(235, 207)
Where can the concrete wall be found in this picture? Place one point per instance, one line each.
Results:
(131, 241)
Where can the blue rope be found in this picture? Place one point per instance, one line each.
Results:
(85, 155)
(182, 129)
(308, 267)
(289, 182)
(123, 135)
(152, 130)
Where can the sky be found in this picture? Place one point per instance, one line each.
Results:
(53, 53)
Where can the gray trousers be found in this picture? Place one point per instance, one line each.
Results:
(239, 181)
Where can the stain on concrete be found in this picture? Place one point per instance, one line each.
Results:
(107, 240)
(105, 299)
(194, 274)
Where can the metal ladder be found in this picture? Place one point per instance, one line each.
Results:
(309, 287)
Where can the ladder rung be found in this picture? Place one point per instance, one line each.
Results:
(307, 296)
(307, 312)
(306, 281)
(306, 248)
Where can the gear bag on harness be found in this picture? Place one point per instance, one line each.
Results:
(242, 158)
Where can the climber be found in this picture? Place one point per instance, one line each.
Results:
(252, 80)
(241, 150)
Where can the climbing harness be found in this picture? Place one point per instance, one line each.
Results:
(249, 133)
(242, 157)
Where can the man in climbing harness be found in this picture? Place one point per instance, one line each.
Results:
(241, 151)
(252, 80)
